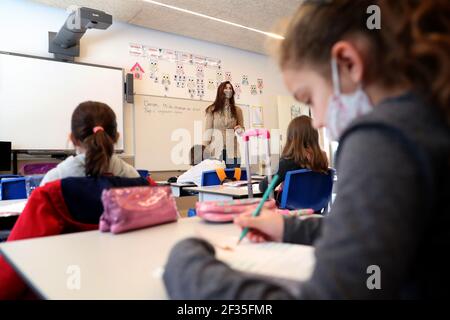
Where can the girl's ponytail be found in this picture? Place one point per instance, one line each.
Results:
(99, 150)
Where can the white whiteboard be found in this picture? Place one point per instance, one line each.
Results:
(160, 123)
(38, 96)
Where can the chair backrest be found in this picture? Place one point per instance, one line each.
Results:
(305, 189)
(13, 188)
(3, 176)
(143, 173)
(210, 178)
(38, 168)
(32, 182)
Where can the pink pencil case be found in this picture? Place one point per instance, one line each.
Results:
(225, 211)
(136, 207)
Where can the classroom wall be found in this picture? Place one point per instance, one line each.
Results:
(25, 25)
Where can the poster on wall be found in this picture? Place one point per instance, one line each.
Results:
(213, 63)
(183, 57)
(256, 116)
(168, 54)
(152, 52)
(199, 60)
(136, 50)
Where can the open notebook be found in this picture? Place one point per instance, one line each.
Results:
(283, 260)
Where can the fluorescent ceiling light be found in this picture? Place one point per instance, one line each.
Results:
(269, 34)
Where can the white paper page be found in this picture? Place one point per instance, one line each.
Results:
(282, 260)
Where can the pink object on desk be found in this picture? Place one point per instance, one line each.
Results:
(256, 133)
(225, 211)
(136, 207)
(38, 168)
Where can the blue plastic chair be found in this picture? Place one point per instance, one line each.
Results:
(32, 182)
(210, 178)
(13, 188)
(3, 176)
(305, 189)
(143, 173)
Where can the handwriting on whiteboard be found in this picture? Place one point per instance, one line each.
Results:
(167, 108)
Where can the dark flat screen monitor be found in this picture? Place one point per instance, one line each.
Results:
(5, 156)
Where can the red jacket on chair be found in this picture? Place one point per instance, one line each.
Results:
(47, 213)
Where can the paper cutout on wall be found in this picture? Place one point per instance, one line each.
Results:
(136, 50)
(200, 72)
(253, 90)
(191, 87)
(228, 76)
(153, 70)
(180, 77)
(237, 90)
(180, 80)
(180, 69)
(211, 85)
(200, 88)
(219, 77)
(257, 116)
(245, 80)
(165, 81)
(260, 85)
(137, 71)
(296, 111)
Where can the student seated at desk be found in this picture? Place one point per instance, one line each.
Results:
(302, 151)
(200, 162)
(383, 94)
(94, 133)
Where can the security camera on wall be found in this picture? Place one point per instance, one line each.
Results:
(66, 43)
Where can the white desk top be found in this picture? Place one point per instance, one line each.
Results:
(12, 207)
(182, 185)
(224, 190)
(258, 177)
(124, 266)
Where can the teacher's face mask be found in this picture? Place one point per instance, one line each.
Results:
(228, 93)
(344, 108)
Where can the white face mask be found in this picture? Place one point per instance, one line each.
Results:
(344, 108)
(228, 93)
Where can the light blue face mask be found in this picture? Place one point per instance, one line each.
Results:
(344, 108)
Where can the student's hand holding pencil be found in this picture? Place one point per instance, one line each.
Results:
(268, 226)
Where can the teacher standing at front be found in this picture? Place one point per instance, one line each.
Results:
(224, 120)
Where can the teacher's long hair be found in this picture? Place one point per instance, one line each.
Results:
(219, 103)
